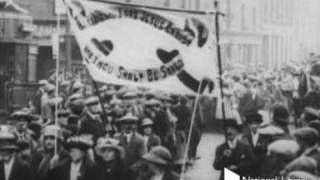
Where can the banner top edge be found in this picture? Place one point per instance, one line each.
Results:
(209, 12)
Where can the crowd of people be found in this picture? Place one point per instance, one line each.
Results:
(271, 124)
(114, 133)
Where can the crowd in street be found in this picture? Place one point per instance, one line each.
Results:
(114, 133)
(271, 125)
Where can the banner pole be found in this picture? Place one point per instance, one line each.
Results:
(190, 132)
(217, 26)
(57, 82)
(99, 95)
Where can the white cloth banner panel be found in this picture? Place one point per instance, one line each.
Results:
(135, 46)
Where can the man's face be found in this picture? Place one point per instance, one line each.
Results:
(156, 108)
(76, 154)
(128, 127)
(108, 154)
(232, 133)
(147, 130)
(254, 126)
(95, 108)
(6, 155)
(49, 142)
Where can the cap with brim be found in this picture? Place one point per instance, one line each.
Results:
(163, 97)
(23, 116)
(55, 100)
(146, 122)
(77, 85)
(315, 124)
(63, 113)
(128, 119)
(284, 147)
(74, 97)
(307, 135)
(159, 155)
(92, 101)
(7, 138)
(301, 175)
(103, 88)
(43, 82)
(79, 142)
(50, 88)
(111, 143)
(130, 95)
(152, 102)
(53, 131)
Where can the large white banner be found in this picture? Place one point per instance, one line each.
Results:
(130, 45)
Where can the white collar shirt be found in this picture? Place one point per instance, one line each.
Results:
(75, 171)
(8, 168)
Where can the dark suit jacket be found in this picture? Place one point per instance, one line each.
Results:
(247, 103)
(241, 157)
(91, 126)
(62, 172)
(259, 151)
(21, 170)
(153, 141)
(183, 114)
(135, 148)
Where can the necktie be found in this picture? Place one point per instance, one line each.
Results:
(2, 171)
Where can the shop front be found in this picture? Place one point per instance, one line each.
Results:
(18, 56)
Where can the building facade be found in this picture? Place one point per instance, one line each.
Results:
(266, 33)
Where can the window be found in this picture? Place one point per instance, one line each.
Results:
(167, 3)
(254, 17)
(243, 20)
(184, 4)
(198, 4)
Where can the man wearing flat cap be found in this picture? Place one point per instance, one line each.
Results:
(91, 121)
(45, 158)
(151, 140)
(234, 154)
(79, 166)
(11, 166)
(130, 139)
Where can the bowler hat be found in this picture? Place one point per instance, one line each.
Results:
(232, 123)
(254, 118)
(281, 114)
